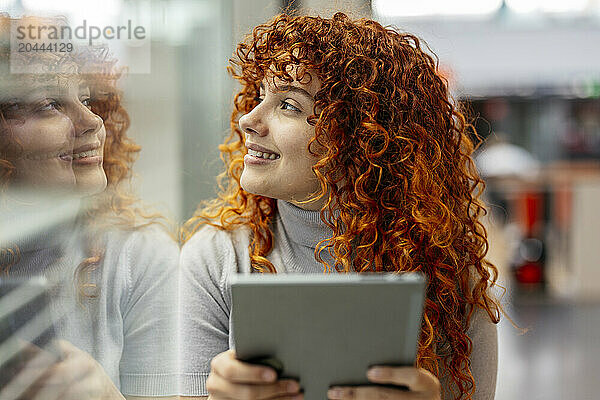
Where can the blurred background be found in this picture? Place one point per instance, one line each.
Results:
(528, 72)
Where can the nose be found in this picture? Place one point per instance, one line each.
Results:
(253, 123)
(85, 121)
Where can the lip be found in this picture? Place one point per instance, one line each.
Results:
(251, 160)
(89, 160)
(256, 147)
(63, 155)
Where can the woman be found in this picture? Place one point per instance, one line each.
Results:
(346, 155)
(63, 130)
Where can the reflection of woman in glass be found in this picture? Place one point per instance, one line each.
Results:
(346, 155)
(63, 131)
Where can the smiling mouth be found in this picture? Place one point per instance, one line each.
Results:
(47, 156)
(84, 154)
(263, 154)
(64, 156)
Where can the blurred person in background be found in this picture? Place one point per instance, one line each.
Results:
(515, 196)
(63, 138)
(346, 155)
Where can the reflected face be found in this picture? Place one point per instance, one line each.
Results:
(54, 140)
(277, 134)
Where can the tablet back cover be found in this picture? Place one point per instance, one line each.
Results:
(327, 329)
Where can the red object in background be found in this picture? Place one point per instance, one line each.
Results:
(531, 211)
(530, 214)
(529, 273)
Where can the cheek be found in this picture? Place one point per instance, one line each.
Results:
(299, 158)
(102, 134)
(43, 136)
(300, 165)
(297, 168)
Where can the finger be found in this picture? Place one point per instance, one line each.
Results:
(416, 379)
(369, 393)
(220, 387)
(233, 370)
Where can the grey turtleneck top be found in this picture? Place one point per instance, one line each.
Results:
(130, 327)
(211, 256)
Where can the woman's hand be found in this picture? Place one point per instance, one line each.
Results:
(76, 376)
(421, 384)
(233, 379)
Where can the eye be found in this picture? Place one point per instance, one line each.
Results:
(287, 106)
(14, 107)
(49, 105)
(87, 102)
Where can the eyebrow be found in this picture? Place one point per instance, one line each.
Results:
(52, 89)
(34, 91)
(40, 88)
(290, 88)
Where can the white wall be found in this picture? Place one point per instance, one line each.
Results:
(153, 103)
(503, 55)
(355, 8)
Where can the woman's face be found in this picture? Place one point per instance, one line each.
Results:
(54, 141)
(278, 163)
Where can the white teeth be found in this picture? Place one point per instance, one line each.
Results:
(46, 156)
(90, 153)
(261, 154)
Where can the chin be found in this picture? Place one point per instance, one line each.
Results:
(90, 186)
(255, 186)
(249, 188)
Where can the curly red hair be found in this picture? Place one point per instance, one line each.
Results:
(402, 192)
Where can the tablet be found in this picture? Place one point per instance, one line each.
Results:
(327, 330)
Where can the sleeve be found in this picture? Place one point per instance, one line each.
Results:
(484, 358)
(148, 364)
(205, 262)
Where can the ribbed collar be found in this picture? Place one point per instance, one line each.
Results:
(301, 226)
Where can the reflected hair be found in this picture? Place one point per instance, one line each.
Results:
(114, 206)
(401, 189)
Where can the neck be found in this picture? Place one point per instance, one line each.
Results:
(303, 226)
